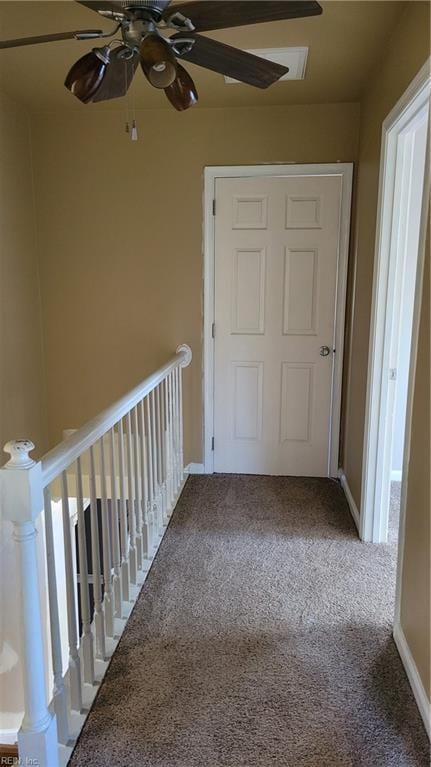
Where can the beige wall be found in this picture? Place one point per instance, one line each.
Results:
(407, 51)
(22, 405)
(120, 234)
(415, 592)
(22, 401)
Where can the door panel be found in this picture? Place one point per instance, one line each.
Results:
(276, 254)
(300, 292)
(248, 291)
(247, 392)
(296, 402)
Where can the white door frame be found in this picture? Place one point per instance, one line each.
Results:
(378, 425)
(211, 174)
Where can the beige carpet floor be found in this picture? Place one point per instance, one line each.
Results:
(262, 637)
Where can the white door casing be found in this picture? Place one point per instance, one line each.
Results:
(280, 246)
(398, 177)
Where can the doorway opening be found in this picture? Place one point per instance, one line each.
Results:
(400, 245)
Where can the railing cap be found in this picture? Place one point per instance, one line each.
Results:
(185, 349)
(19, 450)
(21, 489)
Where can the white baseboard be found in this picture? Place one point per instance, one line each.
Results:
(350, 500)
(195, 468)
(418, 689)
(396, 475)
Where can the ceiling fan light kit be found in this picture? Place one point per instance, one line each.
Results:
(158, 61)
(86, 75)
(182, 93)
(107, 73)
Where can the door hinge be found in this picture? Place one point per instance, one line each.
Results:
(212, 443)
(213, 330)
(214, 207)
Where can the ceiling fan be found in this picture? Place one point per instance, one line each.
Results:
(106, 72)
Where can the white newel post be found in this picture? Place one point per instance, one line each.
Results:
(21, 497)
(188, 356)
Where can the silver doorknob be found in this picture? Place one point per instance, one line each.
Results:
(324, 351)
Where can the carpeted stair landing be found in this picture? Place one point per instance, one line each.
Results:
(262, 637)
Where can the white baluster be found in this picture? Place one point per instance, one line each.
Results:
(87, 640)
(59, 696)
(163, 417)
(168, 450)
(172, 411)
(151, 495)
(176, 432)
(138, 489)
(116, 554)
(160, 478)
(108, 600)
(172, 435)
(156, 488)
(124, 529)
(22, 502)
(74, 674)
(180, 425)
(184, 363)
(144, 479)
(131, 503)
(99, 613)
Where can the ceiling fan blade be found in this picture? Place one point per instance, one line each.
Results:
(106, 5)
(83, 34)
(219, 14)
(232, 62)
(118, 77)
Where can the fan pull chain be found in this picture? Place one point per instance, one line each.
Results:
(134, 134)
(133, 129)
(127, 101)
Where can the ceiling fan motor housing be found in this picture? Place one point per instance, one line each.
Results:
(152, 8)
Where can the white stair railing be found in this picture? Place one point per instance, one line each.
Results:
(106, 494)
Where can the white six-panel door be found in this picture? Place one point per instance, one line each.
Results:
(276, 256)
